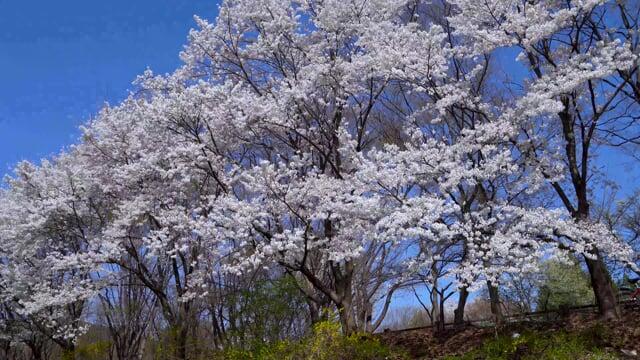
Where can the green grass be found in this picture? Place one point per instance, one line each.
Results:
(533, 345)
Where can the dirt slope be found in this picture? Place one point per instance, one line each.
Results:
(612, 335)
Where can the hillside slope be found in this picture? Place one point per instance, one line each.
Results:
(574, 336)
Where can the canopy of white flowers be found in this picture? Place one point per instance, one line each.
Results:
(300, 135)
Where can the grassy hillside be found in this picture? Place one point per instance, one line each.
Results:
(576, 336)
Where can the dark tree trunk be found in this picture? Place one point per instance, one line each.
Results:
(441, 320)
(494, 298)
(68, 349)
(603, 289)
(598, 272)
(181, 342)
(316, 312)
(345, 312)
(36, 352)
(458, 313)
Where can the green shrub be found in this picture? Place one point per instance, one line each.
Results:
(97, 350)
(267, 308)
(326, 342)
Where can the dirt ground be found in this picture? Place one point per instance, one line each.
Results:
(424, 344)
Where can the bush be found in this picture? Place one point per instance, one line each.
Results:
(324, 343)
(94, 351)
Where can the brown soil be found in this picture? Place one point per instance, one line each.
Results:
(424, 344)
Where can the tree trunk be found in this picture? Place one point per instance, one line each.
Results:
(435, 302)
(36, 352)
(600, 277)
(141, 349)
(365, 317)
(346, 318)
(603, 288)
(496, 310)
(68, 349)
(435, 307)
(317, 312)
(441, 319)
(345, 306)
(180, 341)
(458, 313)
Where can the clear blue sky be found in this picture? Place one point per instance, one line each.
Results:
(61, 60)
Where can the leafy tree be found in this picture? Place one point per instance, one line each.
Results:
(268, 311)
(564, 285)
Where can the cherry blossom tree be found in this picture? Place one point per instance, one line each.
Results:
(580, 55)
(352, 145)
(50, 248)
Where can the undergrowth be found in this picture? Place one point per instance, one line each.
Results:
(324, 343)
(535, 345)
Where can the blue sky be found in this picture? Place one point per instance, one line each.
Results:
(60, 61)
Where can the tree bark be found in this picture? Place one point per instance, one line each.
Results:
(181, 342)
(603, 288)
(458, 313)
(314, 311)
(346, 318)
(441, 319)
(494, 298)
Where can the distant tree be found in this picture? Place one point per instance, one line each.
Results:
(406, 317)
(522, 291)
(268, 311)
(564, 285)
